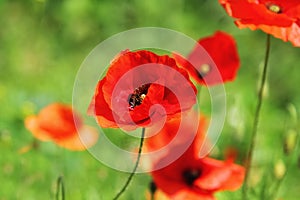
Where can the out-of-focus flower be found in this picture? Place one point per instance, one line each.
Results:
(220, 67)
(137, 81)
(278, 18)
(192, 177)
(59, 123)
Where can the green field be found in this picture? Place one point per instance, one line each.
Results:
(44, 42)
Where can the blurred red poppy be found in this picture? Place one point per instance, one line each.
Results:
(278, 18)
(219, 66)
(191, 177)
(135, 83)
(59, 123)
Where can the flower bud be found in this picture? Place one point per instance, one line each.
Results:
(290, 141)
(279, 169)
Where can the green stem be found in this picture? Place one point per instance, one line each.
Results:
(256, 117)
(135, 167)
(60, 187)
(289, 166)
(152, 188)
(152, 196)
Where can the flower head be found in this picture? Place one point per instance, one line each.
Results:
(59, 123)
(192, 177)
(219, 66)
(278, 18)
(135, 84)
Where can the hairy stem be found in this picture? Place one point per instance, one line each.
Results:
(60, 188)
(135, 167)
(256, 117)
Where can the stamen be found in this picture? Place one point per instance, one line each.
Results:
(138, 95)
(143, 96)
(274, 8)
(204, 70)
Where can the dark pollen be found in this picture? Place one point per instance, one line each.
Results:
(190, 175)
(138, 95)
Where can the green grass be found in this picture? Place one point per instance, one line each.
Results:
(44, 42)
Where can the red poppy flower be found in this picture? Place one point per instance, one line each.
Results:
(278, 18)
(191, 177)
(135, 84)
(56, 122)
(220, 65)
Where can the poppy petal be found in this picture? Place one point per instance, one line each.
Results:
(214, 60)
(86, 137)
(191, 177)
(31, 123)
(59, 123)
(278, 18)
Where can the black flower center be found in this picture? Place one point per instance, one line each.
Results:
(204, 70)
(138, 95)
(274, 8)
(190, 175)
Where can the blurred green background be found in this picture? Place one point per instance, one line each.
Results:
(44, 42)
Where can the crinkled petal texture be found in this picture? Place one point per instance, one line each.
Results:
(59, 123)
(278, 18)
(192, 177)
(219, 66)
(139, 89)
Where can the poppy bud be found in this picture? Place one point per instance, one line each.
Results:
(279, 169)
(290, 141)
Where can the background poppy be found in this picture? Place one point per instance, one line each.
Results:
(218, 66)
(59, 123)
(278, 18)
(191, 177)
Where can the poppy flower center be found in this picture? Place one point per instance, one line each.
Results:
(274, 8)
(204, 70)
(138, 95)
(190, 175)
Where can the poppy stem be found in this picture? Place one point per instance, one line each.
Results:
(135, 167)
(152, 188)
(60, 187)
(289, 165)
(152, 196)
(257, 116)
